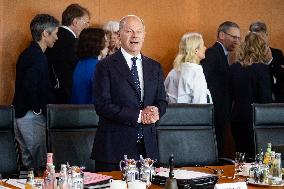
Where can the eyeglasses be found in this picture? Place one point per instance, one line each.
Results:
(86, 22)
(233, 36)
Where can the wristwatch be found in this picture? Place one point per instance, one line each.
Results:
(37, 113)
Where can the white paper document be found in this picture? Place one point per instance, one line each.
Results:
(184, 174)
(20, 183)
(234, 185)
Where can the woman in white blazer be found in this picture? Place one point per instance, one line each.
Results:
(186, 82)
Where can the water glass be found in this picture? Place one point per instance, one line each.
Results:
(0, 179)
(117, 184)
(137, 184)
(38, 183)
(239, 163)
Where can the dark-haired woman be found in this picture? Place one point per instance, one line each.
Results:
(91, 42)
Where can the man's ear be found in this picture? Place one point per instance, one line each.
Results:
(221, 35)
(74, 21)
(44, 34)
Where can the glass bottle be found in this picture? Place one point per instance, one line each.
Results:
(267, 156)
(49, 174)
(49, 163)
(50, 180)
(63, 177)
(30, 184)
(275, 172)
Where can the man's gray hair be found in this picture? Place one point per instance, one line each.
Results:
(42, 22)
(258, 27)
(111, 26)
(225, 26)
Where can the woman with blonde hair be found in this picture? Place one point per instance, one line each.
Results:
(250, 82)
(186, 81)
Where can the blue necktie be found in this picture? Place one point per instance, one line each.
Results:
(135, 77)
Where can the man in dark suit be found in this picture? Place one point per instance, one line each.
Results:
(62, 57)
(216, 71)
(130, 98)
(276, 65)
(33, 91)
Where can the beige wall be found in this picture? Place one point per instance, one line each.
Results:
(166, 21)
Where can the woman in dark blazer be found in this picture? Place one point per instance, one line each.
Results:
(249, 83)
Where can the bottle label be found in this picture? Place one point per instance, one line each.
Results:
(49, 158)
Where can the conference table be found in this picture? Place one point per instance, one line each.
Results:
(226, 177)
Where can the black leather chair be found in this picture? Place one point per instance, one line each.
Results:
(8, 152)
(187, 131)
(268, 125)
(71, 131)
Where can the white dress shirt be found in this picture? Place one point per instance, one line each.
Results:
(192, 87)
(188, 85)
(171, 86)
(129, 62)
(67, 28)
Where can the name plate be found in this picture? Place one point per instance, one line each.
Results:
(234, 185)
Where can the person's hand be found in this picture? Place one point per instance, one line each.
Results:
(150, 115)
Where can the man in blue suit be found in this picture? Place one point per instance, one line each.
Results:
(130, 98)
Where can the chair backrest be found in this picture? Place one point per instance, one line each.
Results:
(8, 152)
(71, 131)
(268, 125)
(187, 131)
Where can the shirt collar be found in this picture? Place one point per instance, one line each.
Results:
(128, 56)
(225, 50)
(67, 28)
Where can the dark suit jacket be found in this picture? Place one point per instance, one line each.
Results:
(32, 88)
(63, 58)
(117, 105)
(251, 84)
(278, 72)
(248, 85)
(216, 71)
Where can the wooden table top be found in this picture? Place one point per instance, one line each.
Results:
(225, 178)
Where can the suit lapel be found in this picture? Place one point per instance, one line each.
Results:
(121, 65)
(147, 70)
(221, 51)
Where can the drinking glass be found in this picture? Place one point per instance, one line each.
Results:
(0, 179)
(38, 183)
(239, 163)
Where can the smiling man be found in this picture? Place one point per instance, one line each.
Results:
(130, 98)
